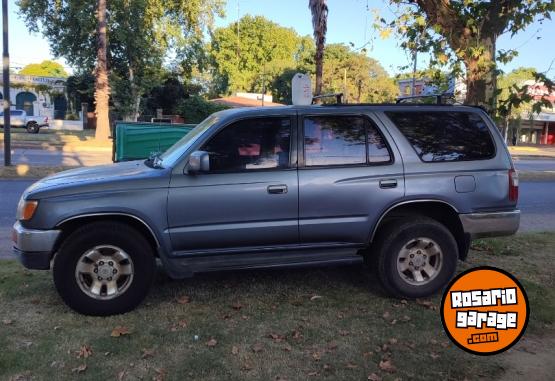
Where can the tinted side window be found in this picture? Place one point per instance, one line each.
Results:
(377, 147)
(445, 136)
(341, 140)
(249, 144)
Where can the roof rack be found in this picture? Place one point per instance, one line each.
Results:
(439, 98)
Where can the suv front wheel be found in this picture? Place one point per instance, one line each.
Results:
(415, 257)
(104, 268)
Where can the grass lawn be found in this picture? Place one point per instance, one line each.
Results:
(327, 323)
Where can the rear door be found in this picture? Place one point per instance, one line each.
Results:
(349, 173)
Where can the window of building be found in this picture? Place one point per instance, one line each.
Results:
(445, 136)
(250, 144)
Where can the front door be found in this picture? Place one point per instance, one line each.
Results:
(248, 199)
(348, 175)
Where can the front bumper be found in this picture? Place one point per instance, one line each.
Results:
(494, 224)
(34, 247)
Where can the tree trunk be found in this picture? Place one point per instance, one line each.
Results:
(481, 76)
(319, 61)
(102, 85)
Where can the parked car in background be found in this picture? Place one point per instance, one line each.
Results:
(403, 188)
(19, 118)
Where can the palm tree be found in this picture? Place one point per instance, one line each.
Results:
(319, 10)
(102, 86)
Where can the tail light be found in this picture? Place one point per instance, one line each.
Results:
(513, 185)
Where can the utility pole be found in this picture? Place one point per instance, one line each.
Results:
(6, 78)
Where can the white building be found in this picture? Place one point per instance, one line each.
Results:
(39, 96)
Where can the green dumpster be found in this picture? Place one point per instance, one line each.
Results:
(134, 141)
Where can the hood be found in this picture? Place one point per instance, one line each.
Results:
(103, 177)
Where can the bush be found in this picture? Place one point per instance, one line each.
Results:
(195, 109)
(72, 117)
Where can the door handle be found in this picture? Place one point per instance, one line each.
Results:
(388, 183)
(277, 189)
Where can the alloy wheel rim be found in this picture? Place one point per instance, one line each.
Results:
(419, 261)
(104, 272)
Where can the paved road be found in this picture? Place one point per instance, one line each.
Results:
(537, 202)
(535, 164)
(87, 158)
(46, 157)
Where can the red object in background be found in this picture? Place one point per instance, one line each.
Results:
(550, 138)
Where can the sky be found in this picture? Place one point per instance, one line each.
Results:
(349, 21)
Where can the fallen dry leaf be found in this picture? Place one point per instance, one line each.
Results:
(212, 343)
(287, 348)
(297, 335)
(237, 306)
(277, 338)
(257, 347)
(184, 299)
(312, 374)
(7, 321)
(343, 333)
(80, 369)
(332, 346)
(160, 374)
(374, 377)
(434, 356)
(120, 331)
(393, 341)
(121, 375)
(426, 303)
(246, 367)
(316, 356)
(351, 365)
(25, 376)
(234, 350)
(327, 367)
(146, 353)
(84, 352)
(315, 297)
(387, 366)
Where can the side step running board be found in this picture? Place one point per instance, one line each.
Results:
(186, 266)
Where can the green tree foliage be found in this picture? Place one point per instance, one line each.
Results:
(169, 95)
(195, 109)
(254, 50)
(46, 68)
(141, 34)
(80, 89)
(464, 33)
(366, 79)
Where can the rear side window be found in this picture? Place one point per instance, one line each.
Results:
(16, 112)
(445, 136)
(342, 140)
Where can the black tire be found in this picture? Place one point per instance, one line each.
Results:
(96, 234)
(394, 237)
(33, 128)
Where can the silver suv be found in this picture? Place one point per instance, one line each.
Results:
(403, 188)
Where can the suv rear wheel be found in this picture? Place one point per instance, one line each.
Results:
(104, 268)
(416, 257)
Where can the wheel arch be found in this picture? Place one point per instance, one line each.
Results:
(69, 225)
(439, 210)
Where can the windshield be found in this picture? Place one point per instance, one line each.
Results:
(169, 158)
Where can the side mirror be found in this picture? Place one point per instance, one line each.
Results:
(199, 161)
